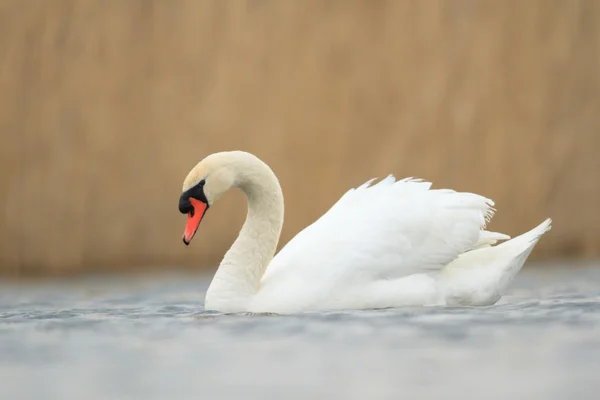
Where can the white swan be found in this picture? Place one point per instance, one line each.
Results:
(392, 244)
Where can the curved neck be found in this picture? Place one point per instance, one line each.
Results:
(238, 277)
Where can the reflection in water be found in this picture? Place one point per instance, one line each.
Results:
(150, 339)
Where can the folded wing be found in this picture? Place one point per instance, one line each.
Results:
(384, 231)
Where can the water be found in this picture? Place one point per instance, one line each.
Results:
(133, 338)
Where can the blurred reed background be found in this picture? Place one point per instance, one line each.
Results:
(106, 105)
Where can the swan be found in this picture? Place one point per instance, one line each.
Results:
(390, 244)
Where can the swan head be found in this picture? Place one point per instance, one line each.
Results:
(203, 185)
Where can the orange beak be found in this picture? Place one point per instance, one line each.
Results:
(193, 220)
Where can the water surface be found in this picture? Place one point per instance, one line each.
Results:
(150, 338)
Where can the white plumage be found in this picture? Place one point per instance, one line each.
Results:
(389, 244)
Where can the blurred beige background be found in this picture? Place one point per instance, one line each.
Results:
(106, 105)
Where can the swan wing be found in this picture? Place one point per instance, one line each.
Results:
(386, 230)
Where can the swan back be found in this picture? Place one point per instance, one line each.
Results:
(383, 231)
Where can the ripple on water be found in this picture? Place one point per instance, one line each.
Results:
(153, 340)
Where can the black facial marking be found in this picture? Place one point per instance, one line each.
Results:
(196, 192)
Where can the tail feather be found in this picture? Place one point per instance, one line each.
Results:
(530, 238)
(481, 276)
(487, 239)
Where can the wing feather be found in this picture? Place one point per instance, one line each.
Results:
(385, 230)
